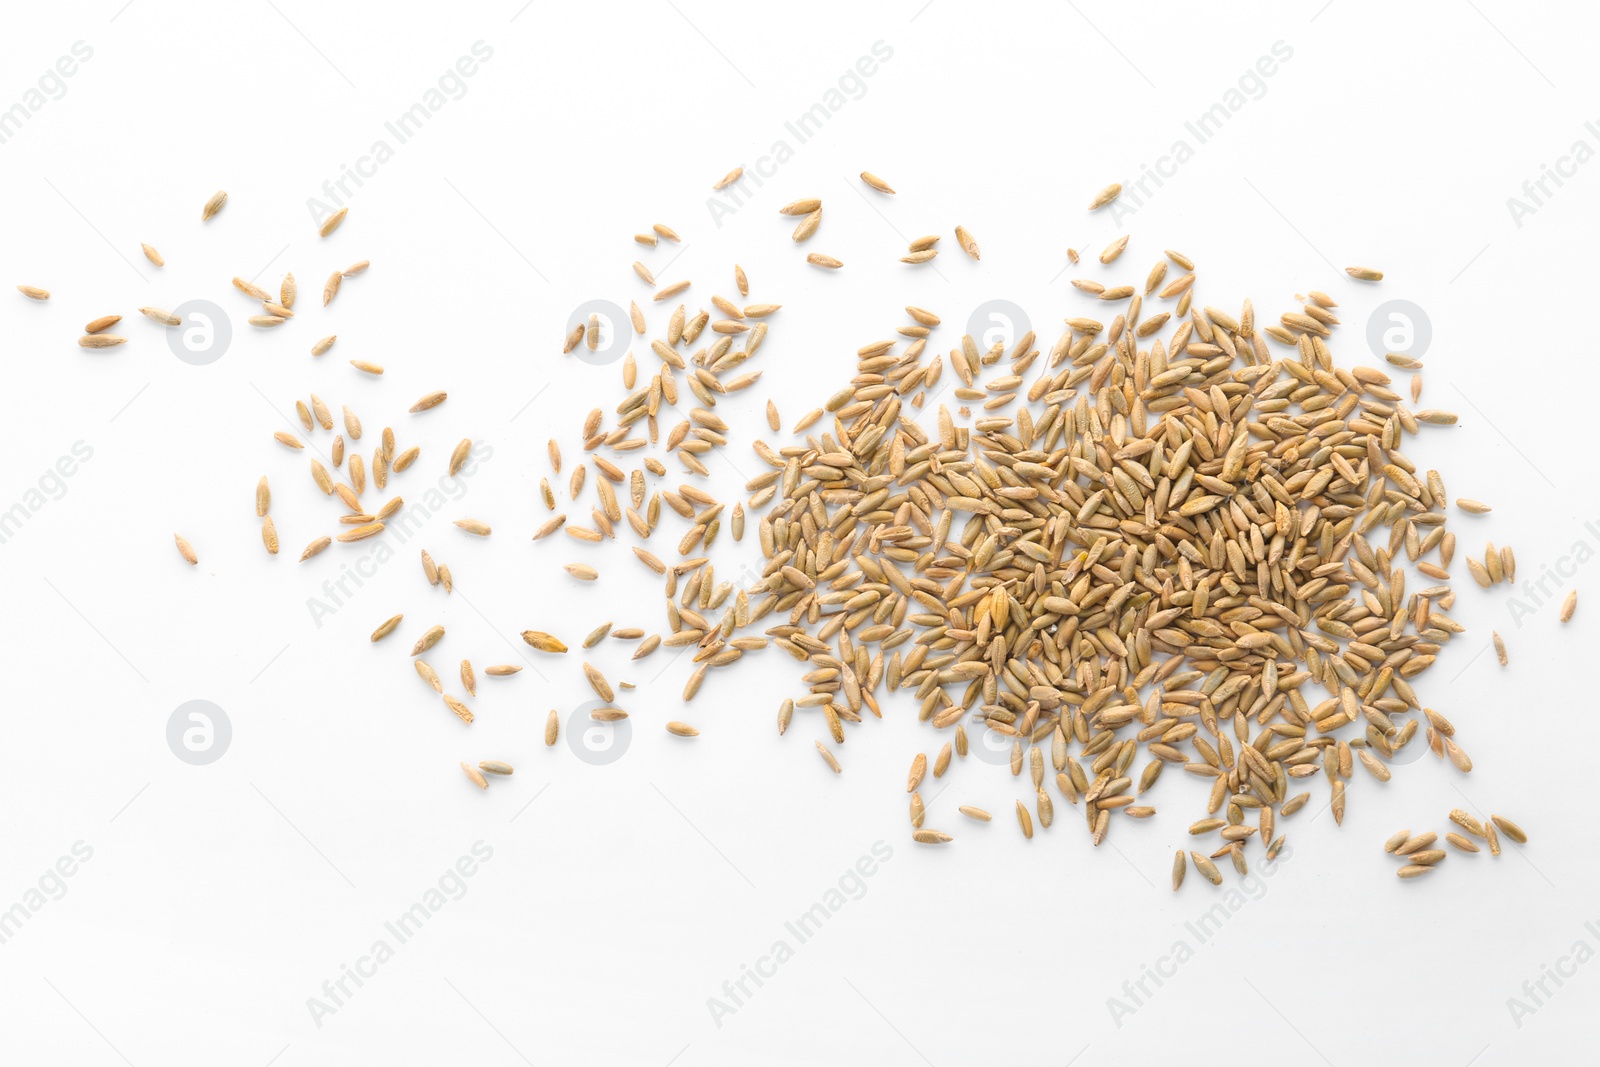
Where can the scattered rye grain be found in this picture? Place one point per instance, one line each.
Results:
(185, 550)
(968, 243)
(1206, 868)
(386, 627)
(1114, 249)
(494, 766)
(427, 640)
(876, 182)
(1105, 196)
(428, 674)
(543, 642)
(332, 222)
(152, 255)
(463, 712)
(213, 205)
(251, 289)
(473, 774)
(1510, 829)
(828, 757)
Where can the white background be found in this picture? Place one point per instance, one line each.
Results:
(619, 898)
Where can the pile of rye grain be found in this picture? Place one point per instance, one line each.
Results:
(1158, 543)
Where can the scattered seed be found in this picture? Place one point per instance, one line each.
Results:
(332, 222)
(1510, 829)
(827, 757)
(876, 182)
(542, 641)
(1105, 196)
(427, 640)
(968, 244)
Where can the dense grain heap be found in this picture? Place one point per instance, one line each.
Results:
(1163, 549)
(1185, 544)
